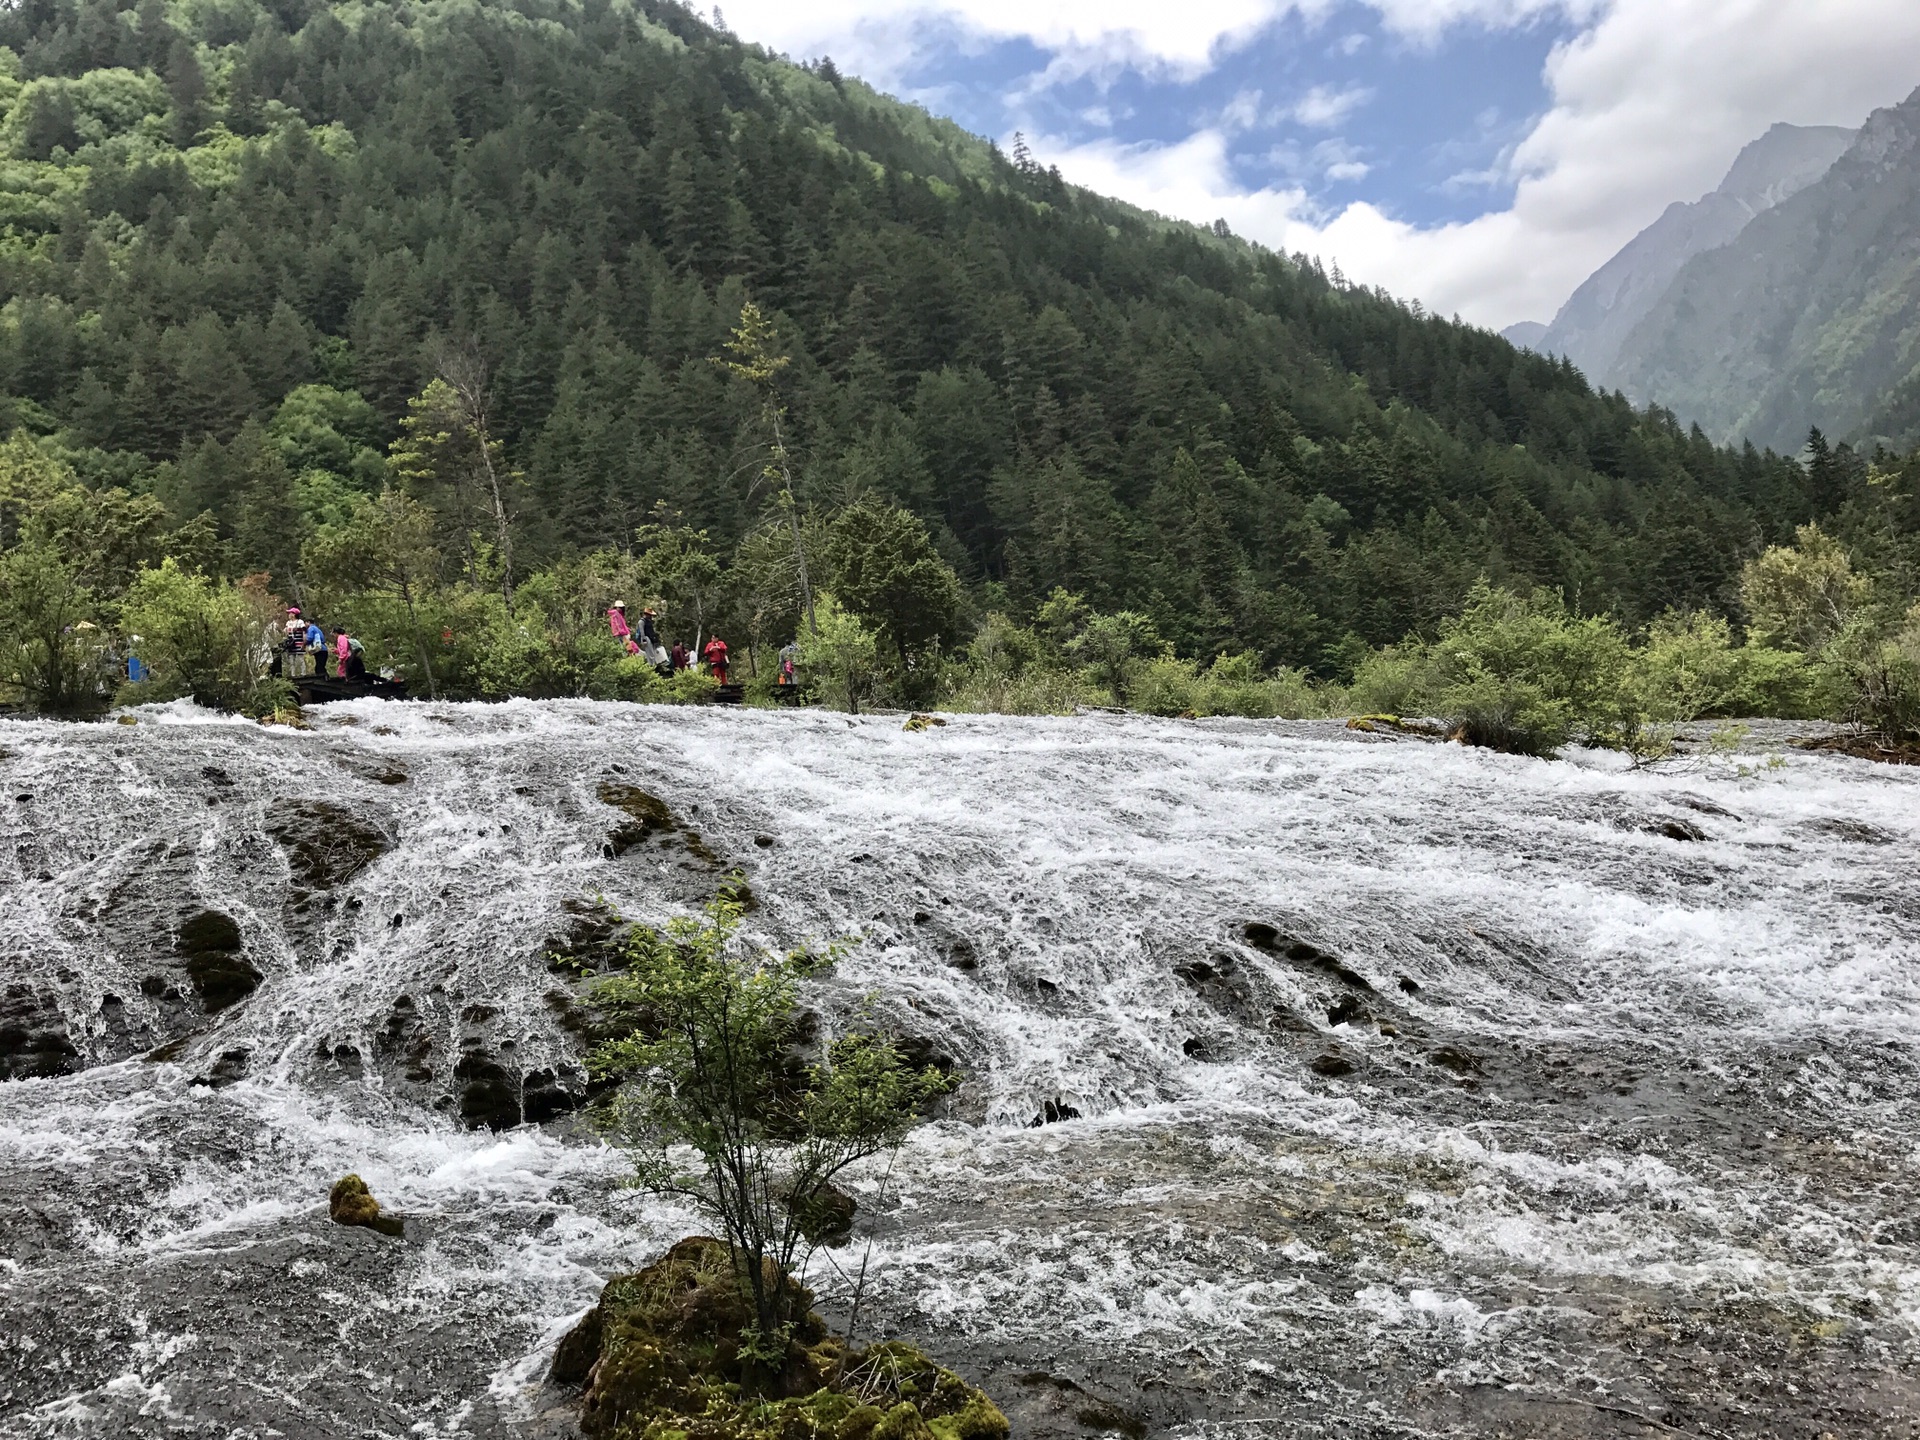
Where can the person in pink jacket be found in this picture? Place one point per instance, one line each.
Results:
(623, 632)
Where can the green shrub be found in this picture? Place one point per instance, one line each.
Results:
(1690, 669)
(1878, 666)
(1800, 596)
(1235, 685)
(1395, 680)
(202, 637)
(1114, 648)
(841, 659)
(1165, 685)
(52, 655)
(1039, 691)
(1519, 673)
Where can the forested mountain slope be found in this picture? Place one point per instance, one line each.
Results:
(240, 236)
(1810, 316)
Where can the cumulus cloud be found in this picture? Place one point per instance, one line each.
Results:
(1326, 106)
(880, 39)
(1649, 103)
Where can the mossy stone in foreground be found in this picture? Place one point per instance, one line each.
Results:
(660, 1358)
(351, 1203)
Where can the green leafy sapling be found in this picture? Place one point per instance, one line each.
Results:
(709, 1065)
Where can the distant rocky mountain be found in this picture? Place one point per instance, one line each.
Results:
(1809, 316)
(1593, 326)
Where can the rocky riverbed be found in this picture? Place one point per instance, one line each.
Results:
(1384, 1088)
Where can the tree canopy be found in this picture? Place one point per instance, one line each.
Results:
(244, 241)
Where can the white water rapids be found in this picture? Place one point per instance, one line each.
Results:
(1552, 1098)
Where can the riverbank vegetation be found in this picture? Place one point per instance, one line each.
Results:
(453, 323)
(1826, 626)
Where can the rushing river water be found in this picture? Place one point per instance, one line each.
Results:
(1395, 1089)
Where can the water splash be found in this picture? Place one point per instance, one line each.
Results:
(1401, 1071)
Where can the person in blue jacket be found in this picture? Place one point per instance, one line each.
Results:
(317, 646)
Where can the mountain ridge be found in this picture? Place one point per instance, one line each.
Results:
(1810, 315)
(1595, 322)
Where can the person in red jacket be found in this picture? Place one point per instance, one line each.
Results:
(715, 653)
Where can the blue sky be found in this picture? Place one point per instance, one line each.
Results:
(1482, 156)
(1341, 107)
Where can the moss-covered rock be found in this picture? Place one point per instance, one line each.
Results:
(660, 1358)
(647, 816)
(351, 1203)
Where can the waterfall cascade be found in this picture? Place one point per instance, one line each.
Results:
(1393, 1088)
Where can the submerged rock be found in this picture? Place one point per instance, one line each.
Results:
(406, 1040)
(231, 1066)
(33, 1036)
(1854, 830)
(489, 1092)
(647, 816)
(589, 939)
(351, 1203)
(1053, 1112)
(826, 1217)
(1266, 938)
(661, 1354)
(209, 947)
(1226, 986)
(1065, 1403)
(1460, 1062)
(1347, 1010)
(1677, 830)
(326, 844)
(544, 1095)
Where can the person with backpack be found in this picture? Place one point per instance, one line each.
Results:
(316, 639)
(650, 645)
(350, 657)
(297, 663)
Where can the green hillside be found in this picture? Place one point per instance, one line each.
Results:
(239, 237)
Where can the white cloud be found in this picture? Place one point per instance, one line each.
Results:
(1349, 170)
(1242, 112)
(1649, 103)
(1325, 106)
(879, 39)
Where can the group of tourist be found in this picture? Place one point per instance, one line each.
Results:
(644, 640)
(305, 652)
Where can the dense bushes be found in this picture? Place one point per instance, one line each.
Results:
(204, 638)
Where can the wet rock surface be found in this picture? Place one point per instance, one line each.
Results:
(210, 951)
(326, 844)
(33, 1035)
(1625, 1147)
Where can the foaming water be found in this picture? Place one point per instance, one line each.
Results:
(1402, 1080)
